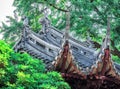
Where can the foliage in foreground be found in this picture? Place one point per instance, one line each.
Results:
(85, 16)
(21, 71)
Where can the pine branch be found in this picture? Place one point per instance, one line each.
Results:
(56, 7)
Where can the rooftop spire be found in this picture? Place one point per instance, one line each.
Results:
(45, 11)
(67, 25)
(45, 22)
(106, 40)
(108, 30)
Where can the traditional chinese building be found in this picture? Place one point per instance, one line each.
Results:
(82, 66)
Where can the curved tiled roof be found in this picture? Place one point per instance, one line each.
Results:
(46, 46)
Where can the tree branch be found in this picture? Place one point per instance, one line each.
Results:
(97, 21)
(56, 7)
(99, 13)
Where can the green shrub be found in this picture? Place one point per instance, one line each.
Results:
(21, 71)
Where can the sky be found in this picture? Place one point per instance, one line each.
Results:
(6, 9)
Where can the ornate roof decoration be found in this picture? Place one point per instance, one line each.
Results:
(65, 61)
(97, 78)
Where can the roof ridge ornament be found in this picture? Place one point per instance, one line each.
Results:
(26, 29)
(108, 30)
(66, 35)
(65, 61)
(104, 57)
(106, 40)
(25, 21)
(45, 22)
